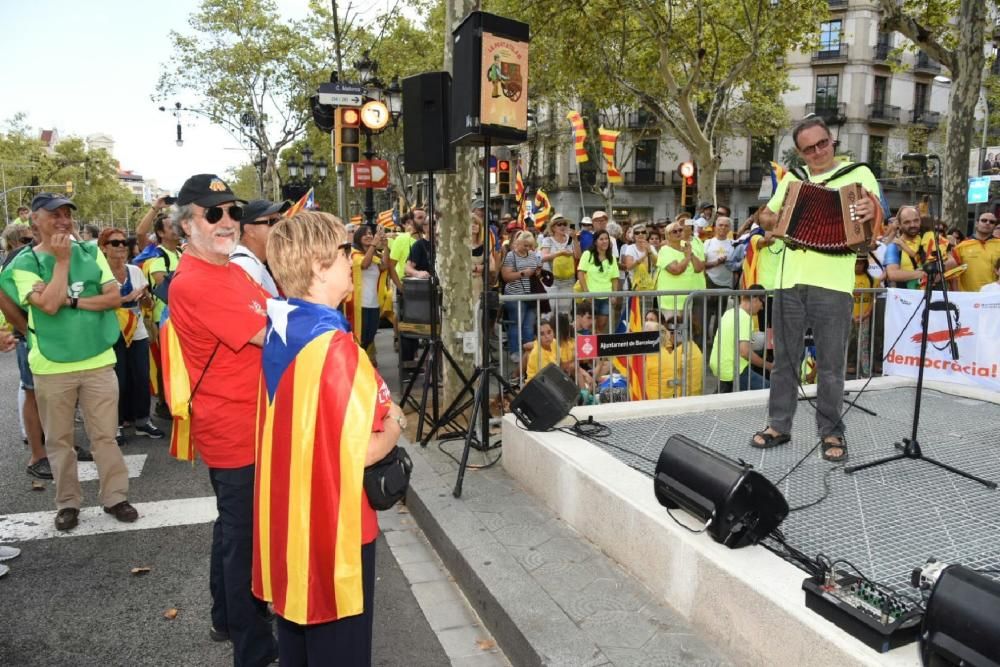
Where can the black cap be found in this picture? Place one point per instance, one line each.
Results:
(205, 190)
(50, 202)
(261, 208)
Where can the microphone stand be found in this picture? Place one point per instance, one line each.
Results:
(910, 447)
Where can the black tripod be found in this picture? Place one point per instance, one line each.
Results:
(478, 385)
(911, 446)
(434, 352)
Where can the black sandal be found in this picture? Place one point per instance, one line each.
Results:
(770, 439)
(840, 444)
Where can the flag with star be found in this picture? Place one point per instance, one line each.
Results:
(319, 401)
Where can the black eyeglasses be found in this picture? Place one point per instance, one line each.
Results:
(25, 240)
(345, 249)
(270, 222)
(117, 243)
(818, 146)
(215, 213)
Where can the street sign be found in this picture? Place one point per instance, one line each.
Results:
(370, 174)
(979, 190)
(341, 94)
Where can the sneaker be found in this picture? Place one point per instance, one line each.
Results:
(148, 429)
(217, 635)
(83, 454)
(120, 438)
(40, 469)
(123, 511)
(7, 553)
(67, 518)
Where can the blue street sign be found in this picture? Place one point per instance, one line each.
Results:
(979, 190)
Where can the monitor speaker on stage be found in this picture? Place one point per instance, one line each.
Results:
(738, 505)
(545, 400)
(426, 116)
(490, 81)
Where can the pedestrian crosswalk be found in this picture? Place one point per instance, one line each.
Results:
(87, 470)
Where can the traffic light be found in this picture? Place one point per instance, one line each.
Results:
(347, 135)
(503, 177)
(69, 188)
(689, 180)
(322, 114)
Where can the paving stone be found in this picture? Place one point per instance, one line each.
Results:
(567, 550)
(417, 552)
(574, 577)
(526, 515)
(399, 538)
(485, 659)
(527, 557)
(618, 629)
(604, 595)
(520, 535)
(433, 592)
(461, 642)
(449, 614)
(419, 573)
(668, 650)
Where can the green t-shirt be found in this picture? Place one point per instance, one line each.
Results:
(600, 278)
(666, 281)
(399, 252)
(768, 261)
(158, 264)
(24, 281)
(725, 346)
(808, 267)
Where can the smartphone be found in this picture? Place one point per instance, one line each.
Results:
(170, 201)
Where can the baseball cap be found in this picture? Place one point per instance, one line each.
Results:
(50, 202)
(705, 204)
(261, 208)
(206, 190)
(478, 203)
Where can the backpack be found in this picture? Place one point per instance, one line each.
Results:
(161, 290)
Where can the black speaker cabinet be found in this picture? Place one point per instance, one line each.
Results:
(490, 82)
(426, 116)
(739, 504)
(545, 400)
(416, 316)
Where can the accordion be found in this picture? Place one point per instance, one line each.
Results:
(823, 219)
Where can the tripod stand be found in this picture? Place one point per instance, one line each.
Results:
(910, 447)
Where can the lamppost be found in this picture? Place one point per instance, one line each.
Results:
(379, 99)
(923, 158)
(312, 173)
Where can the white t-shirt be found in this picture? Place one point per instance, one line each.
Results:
(990, 287)
(632, 250)
(369, 286)
(714, 249)
(139, 281)
(549, 244)
(246, 260)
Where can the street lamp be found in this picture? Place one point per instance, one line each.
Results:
(923, 158)
(366, 68)
(311, 174)
(394, 100)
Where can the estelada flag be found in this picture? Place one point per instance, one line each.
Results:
(631, 367)
(777, 173)
(307, 201)
(177, 390)
(319, 399)
(128, 323)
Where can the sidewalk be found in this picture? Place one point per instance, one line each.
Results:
(548, 596)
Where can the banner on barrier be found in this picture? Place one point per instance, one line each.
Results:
(977, 333)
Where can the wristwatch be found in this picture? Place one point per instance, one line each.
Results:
(401, 420)
(74, 302)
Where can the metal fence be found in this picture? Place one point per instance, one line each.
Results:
(693, 357)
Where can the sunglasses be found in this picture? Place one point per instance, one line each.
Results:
(215, 213)
(345, 249)
(992, 221)
(270, 222)
(25, 240)
(117, 243)
(676, 231)
(818, 146)
(639, 233)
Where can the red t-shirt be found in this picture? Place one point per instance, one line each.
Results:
(219, 305)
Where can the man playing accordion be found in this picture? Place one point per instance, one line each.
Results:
(814, 290)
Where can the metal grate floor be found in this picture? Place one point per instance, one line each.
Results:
(885, 520)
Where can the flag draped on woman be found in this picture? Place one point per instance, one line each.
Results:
(319, 399)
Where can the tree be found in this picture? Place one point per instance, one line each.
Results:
(253, 71)
(952, 32)
(705, 69)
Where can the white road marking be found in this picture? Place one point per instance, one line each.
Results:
(87, 470)
(94, 521)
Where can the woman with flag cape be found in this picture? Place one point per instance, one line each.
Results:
(324, 415)
(369, 282)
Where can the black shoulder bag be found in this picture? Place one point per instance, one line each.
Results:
(387, 480)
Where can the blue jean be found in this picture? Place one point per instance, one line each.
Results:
(234, 608)
(516, 337)
(369, 326)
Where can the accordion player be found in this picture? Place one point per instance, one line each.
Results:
(824, 219)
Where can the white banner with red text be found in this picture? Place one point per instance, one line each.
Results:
(977, 333)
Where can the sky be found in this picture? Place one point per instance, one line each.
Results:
(91, 67)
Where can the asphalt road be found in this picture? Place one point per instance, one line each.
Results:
(72, 600)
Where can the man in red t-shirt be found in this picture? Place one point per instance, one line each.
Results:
(219, 316)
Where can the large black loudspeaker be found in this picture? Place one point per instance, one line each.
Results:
(490, 81)
(426, 115)
(962, 623)
(739, 504)
(546, 399)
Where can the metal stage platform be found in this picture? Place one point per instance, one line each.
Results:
(885, 520)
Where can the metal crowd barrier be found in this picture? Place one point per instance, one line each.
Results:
(695, 323)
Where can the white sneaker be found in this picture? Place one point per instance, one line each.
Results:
(6, 553)
(3, 569)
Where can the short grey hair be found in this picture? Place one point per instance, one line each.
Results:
(13, 233)
(179, 215)
(614, 229)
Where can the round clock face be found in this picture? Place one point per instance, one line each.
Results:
(375, 115)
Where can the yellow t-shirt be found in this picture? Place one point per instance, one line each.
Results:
(981, 257)
(808, 267)
(158, 264)
(664, 372)
(538, 357)
(864, 302)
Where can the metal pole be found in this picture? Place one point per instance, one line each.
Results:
(341, 183)
(982, 149)
(6, 213)
(369, 191)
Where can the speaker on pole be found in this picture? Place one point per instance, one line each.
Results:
(426, 117)
(490, 81)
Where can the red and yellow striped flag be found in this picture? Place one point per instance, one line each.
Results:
(177, 390)
(518, 183)
(543, 209)
(579, 135)
(631, 367)
(128, 322)
(320, 400)
(609, 140)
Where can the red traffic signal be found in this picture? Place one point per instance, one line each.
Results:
(503, 177)
(689, 181)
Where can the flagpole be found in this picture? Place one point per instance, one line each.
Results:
(583, 210)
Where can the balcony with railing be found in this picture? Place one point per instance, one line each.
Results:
(883, 114)
(831, 113)
(929, 119)
(925, 65)
(725, 177)
(645, 178)
(830, 54)
(641, 120)
(883, 54)
(751, 176)
(838, 4)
